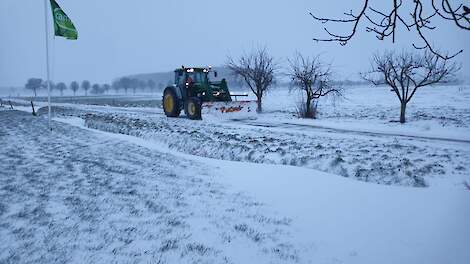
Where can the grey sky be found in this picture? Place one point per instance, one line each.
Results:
(119, 37)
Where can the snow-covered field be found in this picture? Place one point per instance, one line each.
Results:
(117, 181)
(352, 138)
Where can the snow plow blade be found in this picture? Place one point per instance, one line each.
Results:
(229, 107)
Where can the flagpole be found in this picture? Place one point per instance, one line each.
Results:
(47, 66)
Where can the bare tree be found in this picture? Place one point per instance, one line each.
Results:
(406, 72)
(134, 84)
(96, 89)
(116, 86)
(86, 86)
(125, 83)
(51, 85)
(142, 85)
(61, 87)
(313, 77)
(34, 84)
(152, 85)
(416, 15)
(106, 87)
(74, 87)
(257, 69)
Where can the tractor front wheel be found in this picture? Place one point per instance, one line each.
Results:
(170, 102)
(193, 108)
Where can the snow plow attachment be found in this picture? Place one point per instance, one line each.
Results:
(229, 107)
(233, 106)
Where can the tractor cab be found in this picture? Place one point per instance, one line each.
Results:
(191, 77)
(195, 82)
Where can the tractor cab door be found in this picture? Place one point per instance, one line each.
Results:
(191, 82)
(180, 82)
(180, 78)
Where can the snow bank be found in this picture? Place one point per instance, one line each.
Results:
(380, 160)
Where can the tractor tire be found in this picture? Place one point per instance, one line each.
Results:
(192, 108)
(171, 103)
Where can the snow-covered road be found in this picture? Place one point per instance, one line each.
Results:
(331, 128)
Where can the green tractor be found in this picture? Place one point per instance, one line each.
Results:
(191, 89)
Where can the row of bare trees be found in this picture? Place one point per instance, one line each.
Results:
(126, 83)
(308, 74)
(36, 84)
(404, 72)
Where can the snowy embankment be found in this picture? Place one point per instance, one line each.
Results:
(79, 195)
(385, 160)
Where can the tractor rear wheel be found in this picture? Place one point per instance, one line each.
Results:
(171, 105)
(192, 108)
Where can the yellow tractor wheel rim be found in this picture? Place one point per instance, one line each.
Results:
(168, 103)
(192, 108)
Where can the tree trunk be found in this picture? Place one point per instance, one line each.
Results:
(34, 92)
(259, 108)
(402, 112)
(308, 108)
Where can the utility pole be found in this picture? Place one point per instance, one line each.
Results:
(46, 19)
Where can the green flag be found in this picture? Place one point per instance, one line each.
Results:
(63, 26)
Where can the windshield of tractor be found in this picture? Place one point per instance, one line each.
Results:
(197, 77)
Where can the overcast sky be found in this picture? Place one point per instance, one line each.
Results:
(119, 37)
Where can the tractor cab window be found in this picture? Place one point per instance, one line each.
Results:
(197, 77)
(180, 78)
